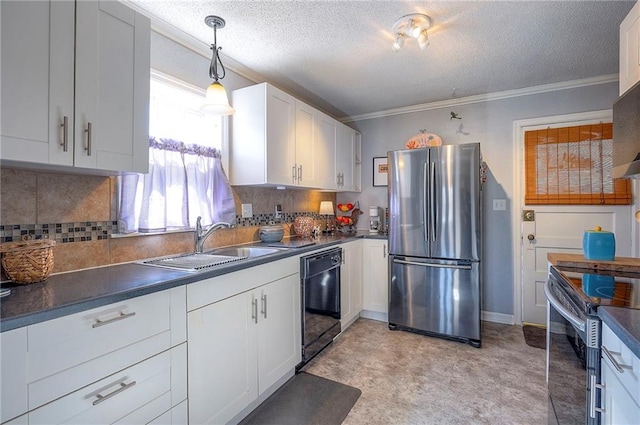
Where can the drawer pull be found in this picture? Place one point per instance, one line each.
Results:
(115, 319)
(613, 361)
(123, 387)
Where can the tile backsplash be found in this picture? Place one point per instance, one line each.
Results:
(79, 213)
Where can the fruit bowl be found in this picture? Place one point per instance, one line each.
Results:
(345, 207)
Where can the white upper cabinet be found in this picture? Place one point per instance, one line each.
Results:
(279, 140)
(263, 147)
(630, 49)
(75, 85)
(347, 175)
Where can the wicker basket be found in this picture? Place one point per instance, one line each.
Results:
(28, 261)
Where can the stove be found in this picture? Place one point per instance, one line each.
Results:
(573, 337)
(591, 289)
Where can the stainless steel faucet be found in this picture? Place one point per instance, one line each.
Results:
(201, 236)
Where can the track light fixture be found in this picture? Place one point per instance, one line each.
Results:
(415, 26)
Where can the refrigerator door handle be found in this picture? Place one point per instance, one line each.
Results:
(437, 266)
(425, 210)
(432, 201)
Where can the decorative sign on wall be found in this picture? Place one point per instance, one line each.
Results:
(380, 170)
(424, 140)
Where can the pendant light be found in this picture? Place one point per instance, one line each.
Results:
(216, 101)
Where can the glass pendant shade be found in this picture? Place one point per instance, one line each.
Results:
(217, 101)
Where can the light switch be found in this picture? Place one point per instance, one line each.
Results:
(247, 211)
(499, 204)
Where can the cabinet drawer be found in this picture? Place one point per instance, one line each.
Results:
(68, 341)
(625, 358)
(116, 397)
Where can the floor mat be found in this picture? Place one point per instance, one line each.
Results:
(306, 399)
(535, 336)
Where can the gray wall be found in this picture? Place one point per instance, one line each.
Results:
(491, 124)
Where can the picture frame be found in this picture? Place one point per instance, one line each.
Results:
(380, 171)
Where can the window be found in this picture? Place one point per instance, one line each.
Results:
(186, 178)
(572, 166)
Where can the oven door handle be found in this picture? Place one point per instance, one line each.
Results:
(572, 318)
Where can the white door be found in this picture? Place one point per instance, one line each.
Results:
(557, 228)
(281, 137)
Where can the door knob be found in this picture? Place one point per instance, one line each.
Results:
(531, 236)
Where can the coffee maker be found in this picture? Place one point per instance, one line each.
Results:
(375, 222)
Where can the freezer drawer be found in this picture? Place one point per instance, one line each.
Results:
(439, 297)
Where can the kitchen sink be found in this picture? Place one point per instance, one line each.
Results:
(245, 251)
(194, 262)
(205, 260)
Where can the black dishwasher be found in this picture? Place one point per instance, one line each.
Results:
(320, 296)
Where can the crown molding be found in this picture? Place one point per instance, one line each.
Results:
(203, 49)
(564, 85)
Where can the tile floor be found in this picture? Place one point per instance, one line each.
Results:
(407, 378)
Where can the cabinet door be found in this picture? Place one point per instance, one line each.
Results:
(345, 158)
(619, 407)
(351, 283)
(375, 276)
(630, 49)
(307, 145)
(279, 337)
(222, 359)
(13, 366)
(325, 156)
(112, 87)
(281, 137)
(37, 81)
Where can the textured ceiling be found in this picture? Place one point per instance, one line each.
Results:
(337, 54)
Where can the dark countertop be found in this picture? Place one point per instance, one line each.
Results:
(67, 293)
(625, 323)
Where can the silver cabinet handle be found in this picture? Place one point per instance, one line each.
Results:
(613, 361)
(65, 133)
(254, 310)
(264, 305)
(122, 316)
(592, 397)
(425, 214)
(300, 173)
(294, 175)
(437, 266)
(571, 318)
(384, 251)
(88, 131)
(123, 387)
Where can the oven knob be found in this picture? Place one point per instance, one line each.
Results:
(336, 259)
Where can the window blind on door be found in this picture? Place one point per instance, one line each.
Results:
(572, 166)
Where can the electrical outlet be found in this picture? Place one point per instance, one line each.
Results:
(499, 204)
(247, 211)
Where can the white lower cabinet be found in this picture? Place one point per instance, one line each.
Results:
(123, 397)
(13, 368)
(351, 283)
(120, 363)
(621, 393)
(375, 271)
(240, 346)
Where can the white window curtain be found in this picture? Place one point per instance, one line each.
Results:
(184, 182)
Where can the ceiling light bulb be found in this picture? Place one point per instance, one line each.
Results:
(397, 45)
(217, 101)
(412, 30)
(423, 39)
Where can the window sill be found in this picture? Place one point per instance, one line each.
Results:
(137, 234)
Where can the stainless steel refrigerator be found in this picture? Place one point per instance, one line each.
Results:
(434, 241)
